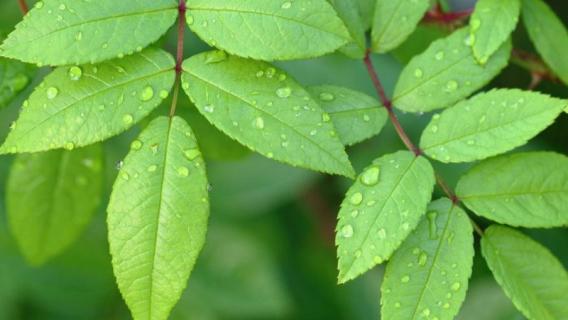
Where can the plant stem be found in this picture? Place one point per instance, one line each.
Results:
(179, 55)
(387, 103)
(404, 137)
(23, 6)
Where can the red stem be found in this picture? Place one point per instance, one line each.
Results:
(23, 6)
(437, 15)
(402, 134)
(179, 55)
(387, 103)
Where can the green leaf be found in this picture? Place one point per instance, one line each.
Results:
(530, 275)
(445, 73)
(548, 34)
(419, 41)
(355, 115)
(488, 124)
(264, 109)
(51, 197)
(382, 207)
(268, 29)
(14, 77)
(348, 11)
(525, 189)
(394, 21)
(491, 24)
(157, 217)
(79, 32)
(77, 106)
(366, 11)
(427, 277)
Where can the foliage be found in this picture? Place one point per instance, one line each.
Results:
(111, 90)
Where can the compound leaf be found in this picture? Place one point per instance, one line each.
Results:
(78, 32)
(394, 21)
(525, 189)
(77, 106)
(380, 209)
(14, 77)
(428, 275)
(355, 115)
(488, 124)
(548, 34)
(445, 73)
(264, 109)
(348, 11)
(491, 24)
(157, 217)
(530, 275)
(51, 198)
(268, 29)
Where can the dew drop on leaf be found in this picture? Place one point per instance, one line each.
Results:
(127, 119)
(52, 92)
(356, 198)
(326, 96)
(347, 231)
(75, 73)
(147, 93)
(371, 176)
(284, 92)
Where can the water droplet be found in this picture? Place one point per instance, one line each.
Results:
(426, 312)
(260, 74)
(215, 56)
(191, 154)
(270, 72)
(418, 73)
(469, 40)
(347, 231)
(75, 73)
(446, 305)
(326, 96)
(397, 305)
(209, 108)
(371, 176)
(152, 168)
(432, 215)
(79, 36)
(147, 94)
(259, 123)
(164, 94)
(366, 118)
(451, 85)
(52, 92)
(356, 198)
(405, 279)
(475, 24)
(39, 5)
(190, 19)
(455, 286)
(382, 233)
(183, 171)
(287, 5)
(127, 119)
(482, 119)
(284, 92)
(325, 117)
(136, 145)
(434, 129)
(439, 55)
(354, 213)
(69, 146)
(422, 259)
(125, 176)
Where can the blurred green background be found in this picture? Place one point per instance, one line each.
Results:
(270, 251)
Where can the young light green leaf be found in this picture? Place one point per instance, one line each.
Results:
(264, 109)
(445, 73)
(157, 217)
(382, 207)
(530, 275)
(348, 11)
(51, 198)
(548, 34)
(491, 24)
(77, 106)
(14, 77)
(355, 115)
(427, 277)
(525, 189)
(303, 29)
(488, 124)
(394, 21)
(78, 32)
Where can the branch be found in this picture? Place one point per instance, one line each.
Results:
(23, 6)
(388, 105)
(179, 55)
(404, 137)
